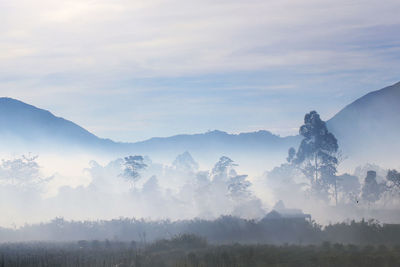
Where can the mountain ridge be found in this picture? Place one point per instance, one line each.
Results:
(24, 121)
(359, 126)
(368, 128)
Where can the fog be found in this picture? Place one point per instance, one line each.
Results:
(75, 178)
(35, 189)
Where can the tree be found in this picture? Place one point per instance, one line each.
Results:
(185, 162)
(393, 178)
(239, 187)
(23, 171)
(393, 183)
(132, 166)
(317, 154)
(245, 204)
(291, 155)
(286, 182)
(371, 191)
(222, 169)
(349, 186)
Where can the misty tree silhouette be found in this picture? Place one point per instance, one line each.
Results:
(371, 191)
(132, 166)
(317, 155)
(393, 177)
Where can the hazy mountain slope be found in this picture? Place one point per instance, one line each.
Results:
(219, 140)
(24, 126)
(369, 127)
(254, 149)
(28, 125)
(368, 130)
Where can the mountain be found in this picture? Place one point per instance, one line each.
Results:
(26, 125)
(254, 149)
(369, 128)
(219, 141)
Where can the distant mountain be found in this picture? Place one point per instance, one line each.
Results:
(27, 127)
(219, 141)
(30, 126)
(261, 148)
(369, 128)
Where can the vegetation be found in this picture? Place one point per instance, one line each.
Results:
(313, 170)
(273, 229)
(278, 239)
(192, 251)
(316, 156)
(132, 166)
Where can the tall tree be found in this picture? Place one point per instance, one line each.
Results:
(291, 155)
(132, 166)
(23, 171)
(238, 187)
(349, 187)
(371, 191)
(317, 154)
(223, 168)
(393, 178)
(393, 182)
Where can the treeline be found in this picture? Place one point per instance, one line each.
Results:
(273, 229)
(193, 251)
(313, 169)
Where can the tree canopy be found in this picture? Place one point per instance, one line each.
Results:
(317, 154)
(132, 166)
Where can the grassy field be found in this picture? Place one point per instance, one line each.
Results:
(192, 251)
(225, 242)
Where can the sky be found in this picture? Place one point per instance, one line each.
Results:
(134, 69)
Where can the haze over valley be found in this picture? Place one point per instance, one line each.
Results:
(177, 133)
(60, 164)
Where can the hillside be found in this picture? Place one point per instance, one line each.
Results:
(369, 127)
(28, 128)
(256, 150)
(27, 125)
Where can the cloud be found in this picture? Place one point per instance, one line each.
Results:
(173, 38)
(78, 48)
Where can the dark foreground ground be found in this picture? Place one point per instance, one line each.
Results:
(189, 250)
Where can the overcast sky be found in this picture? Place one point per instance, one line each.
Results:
(132, 69)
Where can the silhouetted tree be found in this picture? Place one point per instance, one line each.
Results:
(239, 187)
(371, 191)
(222, 167)
(291, 155)
(185, 162)
(23, 171)
(132, 166)
(393, 184)
(286, 182)
(349, 186)
(317, 154)
(393, 177)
